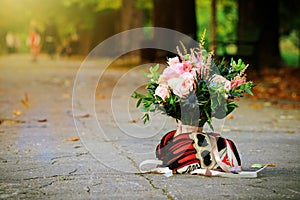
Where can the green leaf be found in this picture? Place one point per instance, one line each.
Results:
(186, 57)
(137, 95)
(155, 68)
(134, 95)
(249, 91)
(146, 117)
(139, 102)
(242, 87)
(153, 75)
(237, 66)
(257, 165)
(148, 75)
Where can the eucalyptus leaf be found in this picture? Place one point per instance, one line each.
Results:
(139, 103)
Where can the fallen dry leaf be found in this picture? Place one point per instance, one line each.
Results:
(291, 132)
(11, 121)
(25, 100)
(42, 120)
(288, 105)
(72, 139)
(82, 116)
(255, 106)
(230, 116)
(17, 113)
(278, 84)
(271, 165)
(133, 121)
(65, 95)
(100, 96)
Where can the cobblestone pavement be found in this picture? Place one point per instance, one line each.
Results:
(46, 153)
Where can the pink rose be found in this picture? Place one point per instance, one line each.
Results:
(187, 66)
(183, 85)
(183, 67)
(175, 69)
(168, 74)
(162, 91)
(178, 67)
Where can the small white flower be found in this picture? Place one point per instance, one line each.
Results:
(173, 61)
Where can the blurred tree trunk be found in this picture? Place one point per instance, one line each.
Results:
(258, 32)
(104, 27)
(131, 17)
(177, 15)
(213, 26)
(85, 41)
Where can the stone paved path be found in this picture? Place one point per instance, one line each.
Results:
(42, 158)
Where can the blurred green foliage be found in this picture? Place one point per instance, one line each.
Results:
(73, 15)
(226, 18)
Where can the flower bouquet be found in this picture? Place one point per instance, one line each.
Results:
(193, 89)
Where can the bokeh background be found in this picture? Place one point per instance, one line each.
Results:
(266, 33)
